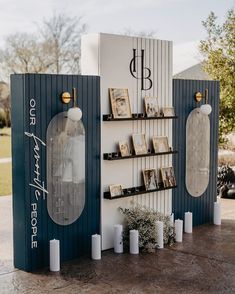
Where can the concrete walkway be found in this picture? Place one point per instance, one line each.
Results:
(203, 263)
(6, 235)
(228, 209)
(5, 160)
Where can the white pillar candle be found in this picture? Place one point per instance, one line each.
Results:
(159, 226)
(95, 247)
(134, 242)
(188, 222)
(172, 218)
(217, 213)
(118, 242)
(178, 230)
(54, 255)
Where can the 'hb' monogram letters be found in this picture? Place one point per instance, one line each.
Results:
(145, 73)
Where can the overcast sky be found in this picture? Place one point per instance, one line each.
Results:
(177, 20)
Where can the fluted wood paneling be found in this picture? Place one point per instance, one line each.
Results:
(184, 103)
(109, 56)
(46, 90)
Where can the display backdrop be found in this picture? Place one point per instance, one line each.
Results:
(184, 103)
(144, 66)
(35, 101)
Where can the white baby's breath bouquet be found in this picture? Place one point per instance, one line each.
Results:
(144, 220)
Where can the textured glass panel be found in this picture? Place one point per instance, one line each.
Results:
(65, 169)
(197, 152)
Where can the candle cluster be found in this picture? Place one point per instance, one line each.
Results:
(133, 237)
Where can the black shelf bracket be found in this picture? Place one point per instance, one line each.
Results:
(117, 155)
(135, 116)
(134, 191)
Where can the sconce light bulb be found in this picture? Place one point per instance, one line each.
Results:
(75, 114)
(206, 109)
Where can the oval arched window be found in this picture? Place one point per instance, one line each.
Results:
(65, 169)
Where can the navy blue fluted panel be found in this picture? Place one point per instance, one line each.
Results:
(184, 103)
(45, 91)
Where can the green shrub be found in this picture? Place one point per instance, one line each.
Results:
(144, 220)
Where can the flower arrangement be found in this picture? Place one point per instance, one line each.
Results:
(144, 220)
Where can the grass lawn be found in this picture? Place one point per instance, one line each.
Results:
(5, 179)
(5, 142)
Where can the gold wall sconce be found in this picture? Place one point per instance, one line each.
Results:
(205, 108)
(74, 113)
(66, 97)
(199, 96)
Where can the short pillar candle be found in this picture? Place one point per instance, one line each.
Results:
(54, 255)
(178, 230)
(159, 227)
(95, 247)
(188, 222)
(118, 242)
(217, 213)
(134, 242)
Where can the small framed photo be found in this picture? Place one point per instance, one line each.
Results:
(124, 148)
(168, 177)
(168, 111)
(160, 144)
(120, 103)
(116, 190)
(151, 106)
(139, 143)
(150, 179)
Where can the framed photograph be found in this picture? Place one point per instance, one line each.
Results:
(124, 148)
(139, 143)
(168, 177)
(115, 190)
(168, 111)
(151, 106)
(120, 103)
(160, 144)
(150, 179)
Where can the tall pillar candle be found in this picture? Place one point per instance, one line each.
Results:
(159, 227)
(188, 222)
(217, 213)
(54, 255)
(118, 242)
(95, 247)
(134, 242)
(178, 230)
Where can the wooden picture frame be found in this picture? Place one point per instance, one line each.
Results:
(150, 179)
(168, 177)
(116, 190)
(124, 148)
(160, 144)
(139, 143)
(120, 103)
(151, 106)
(168, 111)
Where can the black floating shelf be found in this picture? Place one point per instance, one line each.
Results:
(134, 192)
(135, 116)
(117, 155)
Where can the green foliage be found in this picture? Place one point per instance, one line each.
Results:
(218, 50)
(144, 220)
(225, 176)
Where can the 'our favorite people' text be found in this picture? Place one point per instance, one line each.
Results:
(37, 183)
